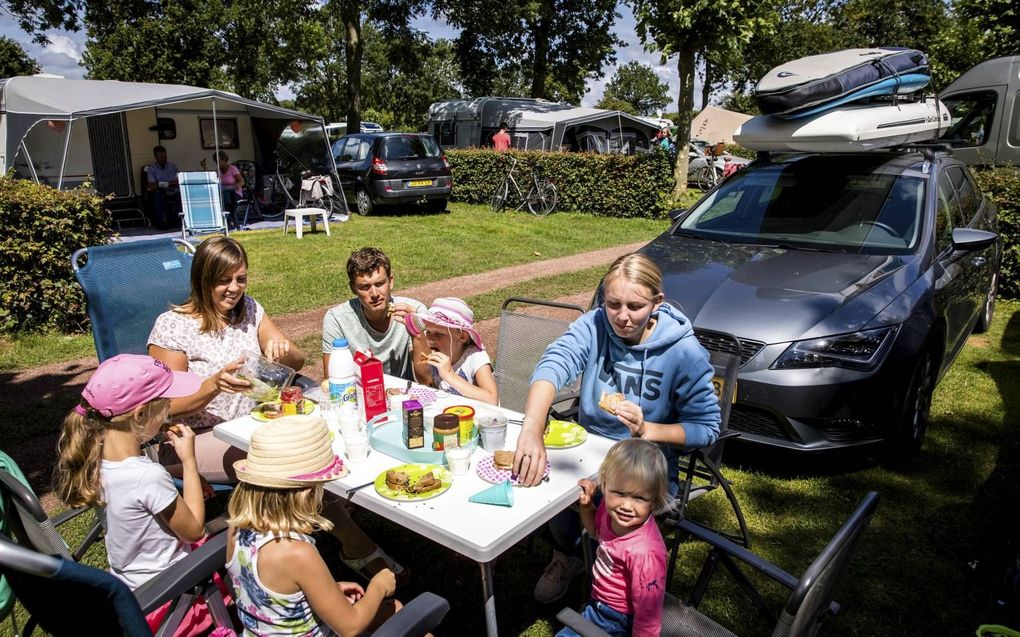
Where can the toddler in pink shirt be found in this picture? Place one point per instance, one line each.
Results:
(630, 564)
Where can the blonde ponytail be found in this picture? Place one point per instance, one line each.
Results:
(80, 451)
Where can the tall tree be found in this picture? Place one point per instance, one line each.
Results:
(556, 46)
(14, 60)
(35, 17)
(685, 28)
(638, 85)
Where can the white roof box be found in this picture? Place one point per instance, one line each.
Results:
(856, 128)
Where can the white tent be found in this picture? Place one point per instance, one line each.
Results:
(537, 124)
(63, 132)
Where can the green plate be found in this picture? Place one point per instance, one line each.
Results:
(415, 471)
(259, 416)
(564, 435)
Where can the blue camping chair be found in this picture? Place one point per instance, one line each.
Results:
(127, 285)
(202, 204)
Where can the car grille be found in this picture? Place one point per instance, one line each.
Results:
(716, 342)
(849, 430)
(755, 421)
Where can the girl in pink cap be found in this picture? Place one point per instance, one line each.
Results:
(149, 525)
(456, 360)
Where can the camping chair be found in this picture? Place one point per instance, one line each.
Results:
(522, 340)
(249, 197)
(808, 606)
(127, 285)
(202, 204)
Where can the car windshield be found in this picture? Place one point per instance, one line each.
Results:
(409, 147)
(864, 204)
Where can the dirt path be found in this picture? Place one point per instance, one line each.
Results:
(36, 456)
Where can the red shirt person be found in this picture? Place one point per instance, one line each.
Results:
(501, 140)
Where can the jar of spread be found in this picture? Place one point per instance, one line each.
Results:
(466, 416)
(445, 432)
(292, 401)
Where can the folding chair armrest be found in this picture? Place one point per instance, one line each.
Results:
(573, 620)
(729, 434)
(184, 575)
(733, 549)
(68, 515)
(417, 617)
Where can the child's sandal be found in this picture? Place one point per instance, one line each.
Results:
(360, 565)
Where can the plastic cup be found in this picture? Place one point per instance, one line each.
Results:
(492, 431)
(396, 401)
(459, 460)
(357, 447)
(330, 410)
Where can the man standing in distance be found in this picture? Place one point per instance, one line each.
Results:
(501, 140)
(373, 319)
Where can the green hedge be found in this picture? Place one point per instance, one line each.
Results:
(602, 185)
(42, 227)
(1002, 185)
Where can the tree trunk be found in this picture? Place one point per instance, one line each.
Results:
(706, 88)
(685, 104)
(353, 47)
(540, 67)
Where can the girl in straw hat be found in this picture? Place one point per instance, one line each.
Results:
(282, 585)
(149, 525)
(455, 360)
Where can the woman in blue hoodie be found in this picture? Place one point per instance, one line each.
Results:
(637, 345)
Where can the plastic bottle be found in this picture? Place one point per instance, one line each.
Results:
(342, 379)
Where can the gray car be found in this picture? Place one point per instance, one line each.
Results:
(852, 282)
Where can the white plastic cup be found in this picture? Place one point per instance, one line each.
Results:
(396, 401)
(492, 431)
(357, 447)
(459, 460)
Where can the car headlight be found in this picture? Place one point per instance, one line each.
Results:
(862, 351)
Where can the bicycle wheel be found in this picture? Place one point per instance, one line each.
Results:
(498, 201)
(542, 198)
(708, 176)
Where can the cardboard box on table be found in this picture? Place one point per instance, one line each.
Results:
(371, 388)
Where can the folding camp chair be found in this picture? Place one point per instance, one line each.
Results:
(523, 338)
(249, 201)
(808, 606)
(127, 285)
(202, 204)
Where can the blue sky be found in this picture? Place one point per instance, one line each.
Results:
(63, 54)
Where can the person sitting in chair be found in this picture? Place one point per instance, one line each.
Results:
(231, 183)
(162, 186)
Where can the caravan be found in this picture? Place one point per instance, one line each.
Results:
(985, 107)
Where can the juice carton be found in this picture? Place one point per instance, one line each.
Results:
(370, 386)
(414, 424)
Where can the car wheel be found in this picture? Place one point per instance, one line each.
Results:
(364, 202)
(913, 423)
(984, 322)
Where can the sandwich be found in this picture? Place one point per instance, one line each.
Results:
(424, 357)
(397, 480)
(608, 402)
(427, 482)
(503, 460)
(271, 410)
(390, 309)
(177, 429)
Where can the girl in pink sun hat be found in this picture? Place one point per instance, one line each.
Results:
(456, 360)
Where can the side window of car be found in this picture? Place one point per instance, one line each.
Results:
(948, 214)
(347, 153)
(965, 192)
(972, 115)
(361, 150)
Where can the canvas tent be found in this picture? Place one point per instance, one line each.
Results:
(63, 132)
(536, 124)
(714, 124)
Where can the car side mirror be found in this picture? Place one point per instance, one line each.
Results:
(967, 240)
(676, 213)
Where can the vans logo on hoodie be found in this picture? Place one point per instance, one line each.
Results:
(633, 381)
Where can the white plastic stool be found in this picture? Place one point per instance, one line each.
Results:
(299, 214)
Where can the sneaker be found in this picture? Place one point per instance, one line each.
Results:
(557, 576)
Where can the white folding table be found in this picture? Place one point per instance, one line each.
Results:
(478, 531)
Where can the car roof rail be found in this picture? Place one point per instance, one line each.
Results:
(929, 149)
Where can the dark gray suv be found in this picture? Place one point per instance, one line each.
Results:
(852, 282)
(378, 169)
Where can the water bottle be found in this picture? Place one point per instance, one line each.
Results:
(342, 376)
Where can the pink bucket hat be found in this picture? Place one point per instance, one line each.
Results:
(446, 312)
(127, 381)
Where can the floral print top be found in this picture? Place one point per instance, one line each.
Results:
(264, 613)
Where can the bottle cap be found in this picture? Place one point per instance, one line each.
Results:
(339, 342)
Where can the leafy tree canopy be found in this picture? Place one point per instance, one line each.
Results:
(614, 103)
(638, 85)
(14, 60)
(35, 17)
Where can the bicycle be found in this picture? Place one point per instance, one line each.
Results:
(540, 200)
(280, 188)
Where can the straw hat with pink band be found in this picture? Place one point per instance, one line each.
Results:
(128, 381)
(445, 312)
(292, 452)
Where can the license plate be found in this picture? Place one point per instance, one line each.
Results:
(415, 183)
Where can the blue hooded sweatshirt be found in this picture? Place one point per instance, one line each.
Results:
(668, 375)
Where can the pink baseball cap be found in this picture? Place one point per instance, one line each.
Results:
(127, 381)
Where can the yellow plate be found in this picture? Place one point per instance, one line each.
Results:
(414, 471)
(259, 416)
(414, 183)
(564, 435)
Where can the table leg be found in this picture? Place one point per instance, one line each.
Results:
(299, 225)
(489, 596)
(314, 225)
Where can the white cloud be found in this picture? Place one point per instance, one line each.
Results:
(60, 57)
(63, 45)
